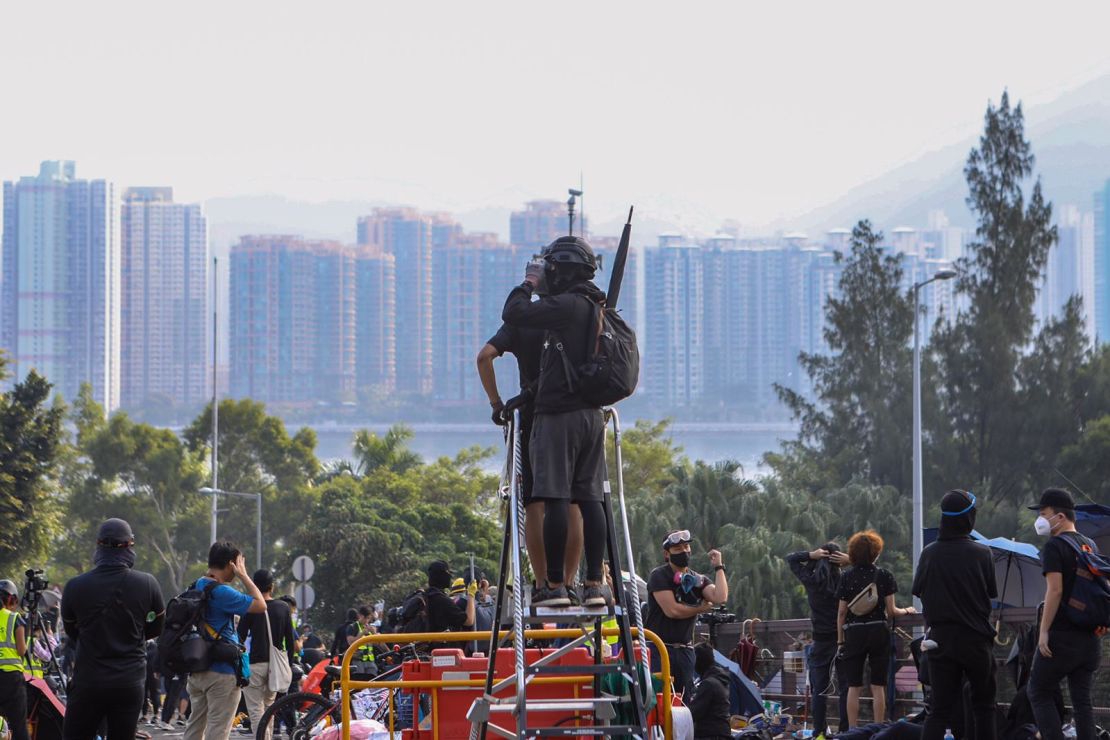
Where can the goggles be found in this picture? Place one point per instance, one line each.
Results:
(677, 538)
(970, 506)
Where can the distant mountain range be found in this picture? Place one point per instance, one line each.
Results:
(1070, 137)
(1071, 143)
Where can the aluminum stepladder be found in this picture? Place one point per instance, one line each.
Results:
(599, 709)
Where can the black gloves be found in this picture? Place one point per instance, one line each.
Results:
(496, 416)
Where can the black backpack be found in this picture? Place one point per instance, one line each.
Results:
(414, 612)
(612, 367)
(1089, 602)
(183, 647)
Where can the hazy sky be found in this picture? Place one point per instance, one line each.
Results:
(740, 109)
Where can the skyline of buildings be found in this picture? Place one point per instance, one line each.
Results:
(118, 293)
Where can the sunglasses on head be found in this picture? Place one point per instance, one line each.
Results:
(677, 538)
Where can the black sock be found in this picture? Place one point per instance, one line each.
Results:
(555, 537)
(593, 531)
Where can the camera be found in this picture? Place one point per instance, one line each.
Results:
(33, 586)
(719, 615)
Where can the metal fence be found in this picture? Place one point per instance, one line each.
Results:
(775, 637)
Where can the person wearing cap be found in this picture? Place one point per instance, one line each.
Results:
(819, 572)
(1064, 649)
(955, 582)
(13, 646)
(444, 615)
(110, 612)
(676, 596)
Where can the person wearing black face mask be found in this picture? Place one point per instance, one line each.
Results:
(676, 596)
(110, 612)
(709, 706)
(955, 582)
(444, 615)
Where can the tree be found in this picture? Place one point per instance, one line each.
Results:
(30, 439)
(979, 355)
(152, 480)
(257, 455)
(855, 426)
(390, 451)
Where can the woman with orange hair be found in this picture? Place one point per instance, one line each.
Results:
(863, 631)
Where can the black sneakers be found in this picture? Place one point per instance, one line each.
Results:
(596, 595)
(549, 597)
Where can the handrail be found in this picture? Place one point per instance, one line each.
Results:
(346, 685)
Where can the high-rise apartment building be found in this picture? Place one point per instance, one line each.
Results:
(375, 321)
(1067, 271)
(1101, 261)
(540, 223)
(407, 234)
(672, 365)
(163, 353)
(292, 320)
(61, 281)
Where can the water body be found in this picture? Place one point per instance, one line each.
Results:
(745, 442)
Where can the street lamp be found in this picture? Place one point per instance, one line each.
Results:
(214, 492)
(918, 497)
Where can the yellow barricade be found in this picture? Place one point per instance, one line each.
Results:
(347, 685)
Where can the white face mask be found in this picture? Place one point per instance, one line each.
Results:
(1042, 526)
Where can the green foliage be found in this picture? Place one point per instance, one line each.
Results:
(856, 426)
(30, 438)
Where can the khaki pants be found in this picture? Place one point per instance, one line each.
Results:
(214, 697)
(259, 697)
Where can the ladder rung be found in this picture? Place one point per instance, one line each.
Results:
(572, 613)
(556, 705)
(564, 731)
(571, 670)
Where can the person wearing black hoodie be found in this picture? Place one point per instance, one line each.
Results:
(567, 446)
(819, 571)
(955, 582)
(710, 705)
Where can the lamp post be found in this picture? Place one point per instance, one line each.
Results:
(215, 399)
(918, 496)
(214, 492)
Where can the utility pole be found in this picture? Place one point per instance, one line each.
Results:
(215, 398)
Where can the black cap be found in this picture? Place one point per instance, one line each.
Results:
(1057, 498)
(440, 566)
(115, 533)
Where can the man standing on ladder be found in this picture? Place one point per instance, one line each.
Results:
(527, 346)
(566, 448)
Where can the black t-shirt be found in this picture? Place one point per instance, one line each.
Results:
(856, 579)
(955, 582)
(673, 631)
(281, 627)
(524, 344)
(110, 612)
(339, 642)
(312, 641)
(1058, 557)
(444, 615)
(568, 318)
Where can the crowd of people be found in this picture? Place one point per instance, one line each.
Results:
(120, 676)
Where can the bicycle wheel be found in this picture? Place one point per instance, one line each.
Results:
(303, 715)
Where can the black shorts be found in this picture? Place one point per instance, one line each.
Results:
(568, 455)
(866, 644)
(526, 481)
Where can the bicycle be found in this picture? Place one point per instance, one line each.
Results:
(307, 713)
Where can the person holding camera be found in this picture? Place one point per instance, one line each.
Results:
(676, 596)
(215, 693)
(13, 646)
(819, 571)
(110, 612)
(567, 445)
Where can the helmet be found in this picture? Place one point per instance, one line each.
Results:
(8, 588)
(570, 250)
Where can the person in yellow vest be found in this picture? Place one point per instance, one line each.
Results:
(13, 646)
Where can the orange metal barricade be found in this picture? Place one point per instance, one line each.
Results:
(438, 685)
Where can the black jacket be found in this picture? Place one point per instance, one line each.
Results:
(821, 585)
(955, 582)
(569, 319)
(710, 705)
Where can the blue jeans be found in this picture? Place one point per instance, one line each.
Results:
(1075, 656)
